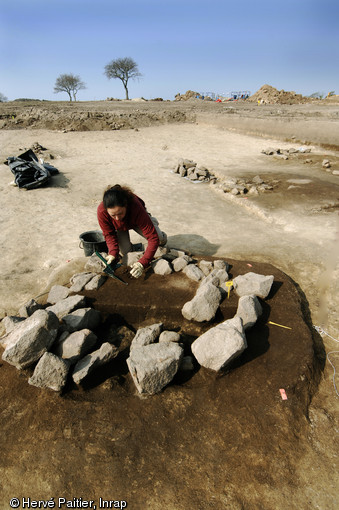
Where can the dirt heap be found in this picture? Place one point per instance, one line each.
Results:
(269, 95)
(67, 118)
(189, 94)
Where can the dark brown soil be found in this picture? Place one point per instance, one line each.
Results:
(208, 440)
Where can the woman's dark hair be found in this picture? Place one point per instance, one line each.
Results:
(117, 196)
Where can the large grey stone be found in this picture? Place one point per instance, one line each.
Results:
(188, 163)
(161, 251)
(181, 262)
(94, 264)
(204, 305)
(220, 345)
(61, 338)
(51, 372)
(249, 309)
(83, 318)
(11, 321)
(229, 182)
(257, 179)
(210, 279)
(76, 345)
(222, 274)
(253, 284)
(68, 305)
(192, 175)
(177, 253)
(152, 367)
(169, 336)
(146, 336)
(253, 191)
(217, 276)
(162, 267)
(57, 293)
(182, 171)
(221, 264)
(202, 171)
(29, 308)
(206, 266)
(78, 281)
(30, 339)
(193, 272)
(96, 282)
(106, 353)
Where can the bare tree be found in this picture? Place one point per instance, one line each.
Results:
(317, 95)
(69, 83)
(124, 69)
(3, 98)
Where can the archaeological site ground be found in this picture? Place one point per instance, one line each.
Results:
(251, 183)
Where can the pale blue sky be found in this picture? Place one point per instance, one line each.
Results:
(178, 45)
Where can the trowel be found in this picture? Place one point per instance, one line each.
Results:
(110, 268)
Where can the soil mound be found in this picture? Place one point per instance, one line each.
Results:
(189, 94)
(65, 119)
(270, 95)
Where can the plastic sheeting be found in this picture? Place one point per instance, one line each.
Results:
(28, 172)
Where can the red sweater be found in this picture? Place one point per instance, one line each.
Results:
(136, 217)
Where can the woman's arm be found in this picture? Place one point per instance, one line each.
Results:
(143, 221)
(108, 230)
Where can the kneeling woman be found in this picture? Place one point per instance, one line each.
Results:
(120, 211)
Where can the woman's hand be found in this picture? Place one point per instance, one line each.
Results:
(137, 270)
(109, 258)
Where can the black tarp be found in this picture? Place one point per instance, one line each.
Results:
(28, 172)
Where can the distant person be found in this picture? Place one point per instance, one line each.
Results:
(120, 211)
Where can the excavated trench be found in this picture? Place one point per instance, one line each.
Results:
(144, 446)
(276, 357)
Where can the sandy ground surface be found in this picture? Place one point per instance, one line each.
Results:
(294, 227)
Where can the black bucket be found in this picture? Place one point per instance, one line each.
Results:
(92, 241)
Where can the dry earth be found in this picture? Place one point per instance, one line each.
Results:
(294, 227)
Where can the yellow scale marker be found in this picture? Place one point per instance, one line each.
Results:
(229, 285)
(280, 325)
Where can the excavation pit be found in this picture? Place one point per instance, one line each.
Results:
(276, 357)
(168, 442)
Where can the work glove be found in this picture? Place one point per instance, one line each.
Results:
(109, 258)
(137, 270)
